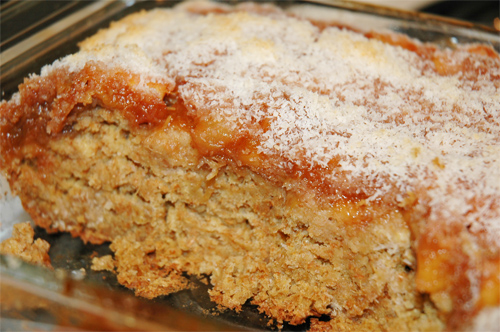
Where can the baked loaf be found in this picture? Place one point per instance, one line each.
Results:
(306, 168)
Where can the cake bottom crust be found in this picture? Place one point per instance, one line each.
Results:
(168, 211)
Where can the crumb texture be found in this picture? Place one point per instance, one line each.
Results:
(104, 263)
(22, 244)
(307, 168)
(257, 242)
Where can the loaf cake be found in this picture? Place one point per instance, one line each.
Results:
(349, 179)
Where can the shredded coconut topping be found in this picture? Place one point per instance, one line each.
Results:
(387, 115)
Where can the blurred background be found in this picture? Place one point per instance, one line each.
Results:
(481, 11)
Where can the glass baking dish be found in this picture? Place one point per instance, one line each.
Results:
(72, 296)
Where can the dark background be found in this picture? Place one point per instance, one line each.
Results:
(483, 12)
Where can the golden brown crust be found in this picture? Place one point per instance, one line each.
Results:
(187, 162)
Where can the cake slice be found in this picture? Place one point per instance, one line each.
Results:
(308, 169)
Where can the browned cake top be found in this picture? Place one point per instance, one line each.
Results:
(348, 108)
(375, 116)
